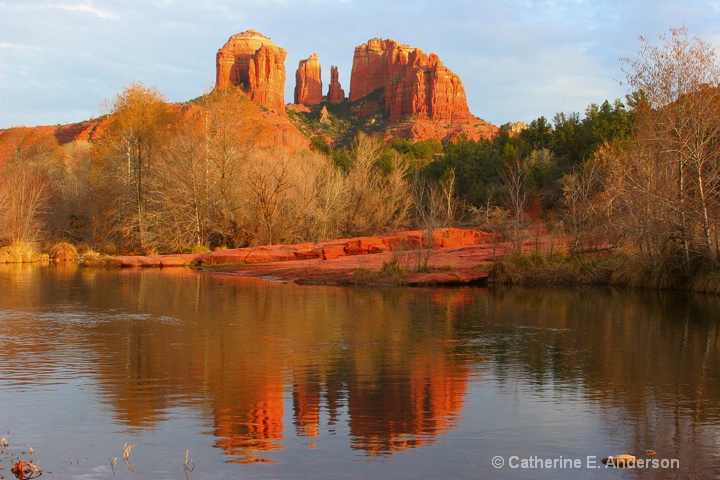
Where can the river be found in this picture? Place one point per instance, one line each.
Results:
(215, 376)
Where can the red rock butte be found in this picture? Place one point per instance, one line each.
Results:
(407, 82)
(252, 61)
(308, 81)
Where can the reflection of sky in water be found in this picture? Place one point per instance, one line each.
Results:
(261, 379)
(38, 339)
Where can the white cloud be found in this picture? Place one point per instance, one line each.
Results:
(87, 8)
(19, 47)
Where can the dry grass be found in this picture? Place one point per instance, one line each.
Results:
(660, 273)
(21, 469)
(394, 269)
(25, 470)
(95, 259)
(362, 276)
(707, 283)
(19, 252)
(626, 269)
(391, 273)
(63, 252)
(197, 249)
(558, 269)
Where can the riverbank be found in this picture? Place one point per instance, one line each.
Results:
(447, 256)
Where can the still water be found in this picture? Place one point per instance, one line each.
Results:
(256, 379)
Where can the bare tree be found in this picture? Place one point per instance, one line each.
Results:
(69, 218)
(124, 164)
(514, 178)
(329, 200)
(678, 130)
(27, 157)
(26, 193)
(375, 200)
(428, 202)
(184, 187)
(580, 190)
(269, 181)
(450, 201)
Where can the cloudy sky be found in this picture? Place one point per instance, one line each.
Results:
(518, 59)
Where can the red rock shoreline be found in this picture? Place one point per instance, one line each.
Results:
(448, 256)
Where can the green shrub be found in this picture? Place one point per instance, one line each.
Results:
(197, 249)
(393, 268)
(363, 276)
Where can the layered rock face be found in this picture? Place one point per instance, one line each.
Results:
(335, 92)
(308, 82)
(252, 61)
(399, 81)
(406, 82)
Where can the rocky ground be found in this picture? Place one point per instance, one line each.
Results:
(448, 256)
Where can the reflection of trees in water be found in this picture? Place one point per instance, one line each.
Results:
(616, 344)
(650, 360)
(396, 362)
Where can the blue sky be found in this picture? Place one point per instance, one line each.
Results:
(518, 59)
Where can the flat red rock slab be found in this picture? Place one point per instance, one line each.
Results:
(458, 256)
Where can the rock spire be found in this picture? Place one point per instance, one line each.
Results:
(406, 82)
(308, 81)
(253, 62)
(335, 92)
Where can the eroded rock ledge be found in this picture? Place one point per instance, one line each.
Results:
(454, 254)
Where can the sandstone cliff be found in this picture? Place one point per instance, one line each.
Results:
(335, 92)
(254, 62)
(308, 82)
(403, 81)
